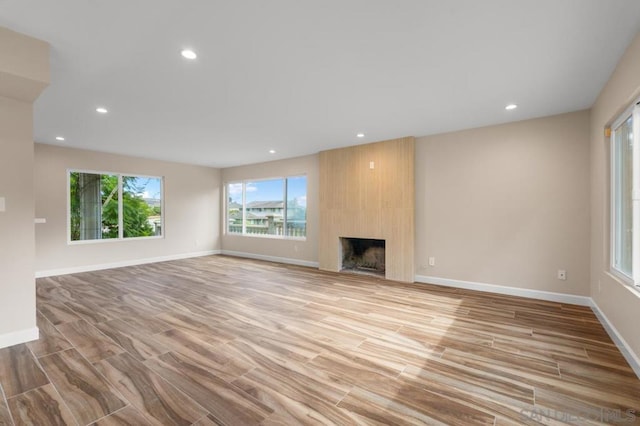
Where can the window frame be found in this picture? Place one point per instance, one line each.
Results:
(633, 279)
(285, 188)
(121, 236)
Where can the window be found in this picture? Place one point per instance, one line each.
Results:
(296, 196)
(275, 207)
(625, 195)
(110, 206)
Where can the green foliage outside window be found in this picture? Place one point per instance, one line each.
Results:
(94, 206)
(135, 210)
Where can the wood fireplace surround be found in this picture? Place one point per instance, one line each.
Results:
(368, 191)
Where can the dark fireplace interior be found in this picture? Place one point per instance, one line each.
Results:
(363, 255)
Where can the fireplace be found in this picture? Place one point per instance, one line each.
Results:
(363, 256)
(359, 201)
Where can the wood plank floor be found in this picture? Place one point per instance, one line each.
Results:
(226, 341)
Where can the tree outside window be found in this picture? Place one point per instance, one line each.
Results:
(111, 206)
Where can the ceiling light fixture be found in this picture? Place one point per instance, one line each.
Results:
(511, 107)
(59, 138)
(102, 110)
(360, 135)
(188, 54)
(272, 151)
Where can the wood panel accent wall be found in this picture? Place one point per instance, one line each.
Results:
(360, 202)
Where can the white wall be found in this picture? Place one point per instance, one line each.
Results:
(18, 303)
(24, 72)
(619, 303)
(295, 251)
(191, 211)
(507, 205)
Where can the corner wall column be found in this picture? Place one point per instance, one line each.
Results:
(24, 73)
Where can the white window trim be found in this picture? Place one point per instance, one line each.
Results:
(244, 202)
(633, 280)
(120, 208)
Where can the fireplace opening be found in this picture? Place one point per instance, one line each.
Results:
(363, 255)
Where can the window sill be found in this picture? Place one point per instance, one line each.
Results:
(268, 237)
(113, 240)
(624, 282)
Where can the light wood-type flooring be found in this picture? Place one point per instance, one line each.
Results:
(222, 340)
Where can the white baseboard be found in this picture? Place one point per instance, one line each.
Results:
(511, 291)
(17, 337)
(632, 358)
(133, 262)
(271, 258)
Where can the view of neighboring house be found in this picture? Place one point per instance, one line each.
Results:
(267, 217)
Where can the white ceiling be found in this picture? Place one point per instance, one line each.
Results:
(300, 76)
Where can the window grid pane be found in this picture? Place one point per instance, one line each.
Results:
(93, 205)
(297, 206)
(623, 205)
(234, 208)
(264, 207)
(141, 206)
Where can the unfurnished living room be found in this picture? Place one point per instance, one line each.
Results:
(319, 212)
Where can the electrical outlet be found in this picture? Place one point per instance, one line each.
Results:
(562, 274)
(432, 261)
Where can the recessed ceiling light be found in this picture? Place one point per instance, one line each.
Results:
(272, 151)
(360, 135)
(102, 110)
(59, 138)
(510, 107)
(188, 54)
